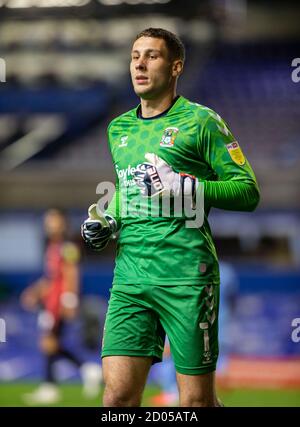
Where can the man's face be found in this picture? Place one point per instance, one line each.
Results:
(150, 67)
(54, 224)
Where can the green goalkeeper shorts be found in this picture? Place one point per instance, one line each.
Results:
(139, 317)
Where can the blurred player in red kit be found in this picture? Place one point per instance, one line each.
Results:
(57, 294)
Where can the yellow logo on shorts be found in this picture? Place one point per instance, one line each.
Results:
(236, 153)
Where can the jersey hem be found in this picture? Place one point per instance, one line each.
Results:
(168, 282)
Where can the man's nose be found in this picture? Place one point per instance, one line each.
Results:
(140, 65)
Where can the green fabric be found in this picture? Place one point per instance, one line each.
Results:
(231, 195)
(161, 249)
(139, 317)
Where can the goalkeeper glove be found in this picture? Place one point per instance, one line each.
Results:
(156, 176)
(98, 229)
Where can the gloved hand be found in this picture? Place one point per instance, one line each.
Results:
(156, 176)
(98, 229)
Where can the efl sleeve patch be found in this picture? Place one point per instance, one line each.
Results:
(236, 153)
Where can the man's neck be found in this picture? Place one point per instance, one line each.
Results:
(154, 107)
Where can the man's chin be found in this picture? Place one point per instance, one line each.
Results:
(144, 93)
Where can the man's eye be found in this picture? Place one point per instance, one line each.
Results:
(153, 56)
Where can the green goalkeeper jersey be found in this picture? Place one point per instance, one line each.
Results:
(158, 249)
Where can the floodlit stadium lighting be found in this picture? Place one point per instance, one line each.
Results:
(22, 4)
(131, 2)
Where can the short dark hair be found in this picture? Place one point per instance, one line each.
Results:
(174, 44)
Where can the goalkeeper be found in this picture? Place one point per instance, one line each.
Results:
(166, 278)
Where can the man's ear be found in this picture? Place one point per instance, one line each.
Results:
(177, 68)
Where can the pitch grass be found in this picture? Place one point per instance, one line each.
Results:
(11, 395)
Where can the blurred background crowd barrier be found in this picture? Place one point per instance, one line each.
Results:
(65, 75)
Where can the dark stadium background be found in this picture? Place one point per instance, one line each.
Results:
(66, 78)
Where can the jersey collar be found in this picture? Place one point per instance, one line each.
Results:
(164, 113)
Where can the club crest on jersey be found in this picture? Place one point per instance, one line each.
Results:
(169, 136)
(236, 153)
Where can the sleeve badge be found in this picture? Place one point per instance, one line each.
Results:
(236, 153)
